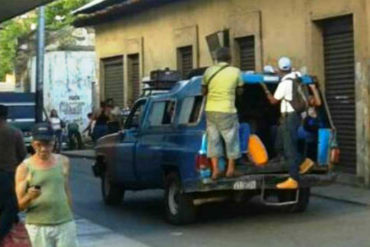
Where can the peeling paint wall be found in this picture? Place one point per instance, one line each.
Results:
(68, 82)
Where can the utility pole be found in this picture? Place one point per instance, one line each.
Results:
(40, 65)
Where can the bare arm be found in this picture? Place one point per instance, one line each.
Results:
(24, 195)
(269, 96)
(66, 169)
(316, 95)
(88, 127)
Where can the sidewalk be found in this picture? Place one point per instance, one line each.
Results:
(89, 234)
(344, 193)
(93, 235)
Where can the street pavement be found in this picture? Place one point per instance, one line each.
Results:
(139, 220)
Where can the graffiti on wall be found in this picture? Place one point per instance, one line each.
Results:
(68, 81)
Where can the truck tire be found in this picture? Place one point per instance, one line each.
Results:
(178, 205)
(112, 193)
(289, 195)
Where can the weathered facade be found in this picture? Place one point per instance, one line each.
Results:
(327, 38)
(69, 73)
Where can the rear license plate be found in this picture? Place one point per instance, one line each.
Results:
(242, 185)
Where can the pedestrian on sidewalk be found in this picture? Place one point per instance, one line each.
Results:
(43, 192)
(101, 123)
(57, 125)
(12, 152)
(220, 83)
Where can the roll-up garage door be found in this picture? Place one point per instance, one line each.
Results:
(340, 85)
(185, 60)
(113, 79)
(134, 76)
(246, 53)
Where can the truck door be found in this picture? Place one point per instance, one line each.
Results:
(150, 145)
(126, 150)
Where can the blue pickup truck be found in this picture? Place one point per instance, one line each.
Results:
(161, 147)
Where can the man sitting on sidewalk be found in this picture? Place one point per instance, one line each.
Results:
(219, 85)
(43, 191)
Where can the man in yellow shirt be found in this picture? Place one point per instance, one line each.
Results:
(220, 83)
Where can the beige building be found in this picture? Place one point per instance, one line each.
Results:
(327, 38)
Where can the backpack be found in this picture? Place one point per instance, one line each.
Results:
(299, 100)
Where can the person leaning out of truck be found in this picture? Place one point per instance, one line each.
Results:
(220, 83)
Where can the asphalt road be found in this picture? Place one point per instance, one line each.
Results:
(140, 217)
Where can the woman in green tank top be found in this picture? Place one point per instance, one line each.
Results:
(43, 193)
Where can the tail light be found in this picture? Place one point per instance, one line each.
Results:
(334, 155)
(203, 166)
(202, 162)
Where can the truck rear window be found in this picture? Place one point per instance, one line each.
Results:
(190, 110)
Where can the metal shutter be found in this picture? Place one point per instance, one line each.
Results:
(185, 60)
(113, 79)
(246, 53)
(134, 76)
(340, 85)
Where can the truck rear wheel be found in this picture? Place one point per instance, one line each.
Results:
(178, 205)
(112, 193)
(290, 195)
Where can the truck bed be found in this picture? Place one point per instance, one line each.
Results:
(260, 177)
(246, 167)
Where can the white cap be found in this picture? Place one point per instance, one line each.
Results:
(268, 69)
(285, 64)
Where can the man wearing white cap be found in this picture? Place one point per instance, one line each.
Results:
(290, 121)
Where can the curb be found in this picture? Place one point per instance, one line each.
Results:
(358, 203)
(77, 155)
(80, 156)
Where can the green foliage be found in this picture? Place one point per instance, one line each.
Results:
(12, 30)
(57, 15)
(61, 9)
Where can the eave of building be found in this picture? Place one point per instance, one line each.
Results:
(96, 5)
(116, 11)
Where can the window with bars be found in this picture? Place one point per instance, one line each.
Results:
(246, 53)
(185, 60)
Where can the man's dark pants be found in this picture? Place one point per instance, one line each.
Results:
(289, 130)
(8, 203)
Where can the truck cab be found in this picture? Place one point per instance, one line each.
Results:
(162, 146)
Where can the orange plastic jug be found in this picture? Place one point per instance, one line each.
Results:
(256, 151)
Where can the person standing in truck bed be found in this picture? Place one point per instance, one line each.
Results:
(220, 83)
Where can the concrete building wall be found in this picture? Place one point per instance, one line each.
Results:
(9, 84)
(284, 27)
(68, 84)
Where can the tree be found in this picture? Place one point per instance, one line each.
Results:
(57, 15)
